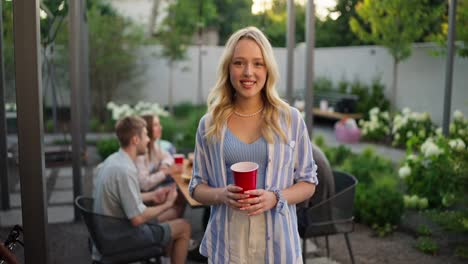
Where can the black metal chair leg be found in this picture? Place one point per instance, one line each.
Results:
(304, 250)
(328, 248)
(348, 244)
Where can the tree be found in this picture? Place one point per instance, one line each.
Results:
(394, 24)
(273, 22)
(232, 15)
(113, 48)
(461, 28)
(337, 32)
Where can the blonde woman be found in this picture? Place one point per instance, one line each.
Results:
(247, 121)
(156, 163)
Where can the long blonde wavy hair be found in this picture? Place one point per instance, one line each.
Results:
(222, 96)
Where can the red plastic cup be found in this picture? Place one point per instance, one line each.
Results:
(245, 175)
(179, 159)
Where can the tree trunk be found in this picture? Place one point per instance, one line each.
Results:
(394, 94)
(153, 17)
(170, 101)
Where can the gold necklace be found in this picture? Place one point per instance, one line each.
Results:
(248, 115)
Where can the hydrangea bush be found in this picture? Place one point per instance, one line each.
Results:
(412, 126)
(377, 128)
(438, 172)
(141, 108)
(459, 127)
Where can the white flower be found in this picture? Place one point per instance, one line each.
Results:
(411, 157)
(457, 144)
(409, 134)
(439, 131)
(406, 111)
(374, 111)
(385, 115)
(429, 149)
(458, 115)
(461, 132)
(404, 171)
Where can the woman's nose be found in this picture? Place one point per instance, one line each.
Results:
(247, 70)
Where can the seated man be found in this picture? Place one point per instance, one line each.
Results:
(117, 191)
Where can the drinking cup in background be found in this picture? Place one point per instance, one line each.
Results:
(179, 159)
(245, 175)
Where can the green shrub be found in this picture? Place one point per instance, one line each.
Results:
(459, 127)
(423, 230)
(336, 156)
(323, 84)
(367, 165)
(453, 221)
(169, 128)
(377, 126)
(438, 173)
(183, 110)
(461, 251)
(411, 129)
(106, 147)
(187, 139)
(378, 205)
(427, 245)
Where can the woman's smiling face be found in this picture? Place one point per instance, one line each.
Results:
(247, 69)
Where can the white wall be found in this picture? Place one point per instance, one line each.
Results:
(420, 86)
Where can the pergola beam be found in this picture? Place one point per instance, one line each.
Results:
(449, 67)
(30, 130)
(309, 61)
(4, 190)
(290, 43)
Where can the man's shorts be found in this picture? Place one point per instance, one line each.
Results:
(161, 232)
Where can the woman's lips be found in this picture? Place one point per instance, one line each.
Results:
(248, 84)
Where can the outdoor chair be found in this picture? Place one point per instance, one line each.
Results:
(331, 216)
(116, 239)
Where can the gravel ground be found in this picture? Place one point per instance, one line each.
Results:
(67, 244)
(397, 248)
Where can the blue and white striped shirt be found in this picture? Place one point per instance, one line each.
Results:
(287, 164)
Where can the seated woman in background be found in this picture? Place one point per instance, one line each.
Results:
(156, 163)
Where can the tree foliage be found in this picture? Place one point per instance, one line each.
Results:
(394, 24)
(232, 15)
(461, 29)
(337, 32)
(113, 59)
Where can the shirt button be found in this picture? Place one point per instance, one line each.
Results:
(268, 238)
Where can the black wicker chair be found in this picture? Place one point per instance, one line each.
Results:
(116, 239)
(331, 216)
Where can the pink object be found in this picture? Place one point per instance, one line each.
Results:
(179, 158)
(346, 134)
(245, 175)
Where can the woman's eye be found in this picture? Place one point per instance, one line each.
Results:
(237, 63)
(259, 64)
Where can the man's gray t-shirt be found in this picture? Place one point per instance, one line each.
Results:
(117, 191)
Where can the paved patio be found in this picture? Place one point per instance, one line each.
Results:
(67, 239)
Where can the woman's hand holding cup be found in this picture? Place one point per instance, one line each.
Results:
(259, 201)
(230, 196)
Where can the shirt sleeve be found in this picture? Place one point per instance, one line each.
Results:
(129, 194)
(145, 179)
(167, 159)
(305, 167)
(201, 161)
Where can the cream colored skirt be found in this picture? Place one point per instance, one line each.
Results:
(247, 238)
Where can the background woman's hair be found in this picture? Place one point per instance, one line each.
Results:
(221, 98)
(149, 126)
